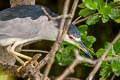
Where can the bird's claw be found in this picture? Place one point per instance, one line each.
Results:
(26, 63)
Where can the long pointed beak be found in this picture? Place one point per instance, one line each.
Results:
(83, 48)
(77, 42)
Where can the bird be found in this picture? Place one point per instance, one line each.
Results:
(23, 25)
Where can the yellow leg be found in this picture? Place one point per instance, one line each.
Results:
(17, 55)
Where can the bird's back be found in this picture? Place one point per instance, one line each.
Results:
(33, 11)
(21, 22)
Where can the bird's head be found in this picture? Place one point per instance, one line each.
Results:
(73, 37)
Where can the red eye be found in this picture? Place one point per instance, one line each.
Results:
(70, 37)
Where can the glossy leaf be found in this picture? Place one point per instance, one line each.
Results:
(90, 4)
(86, 12)
(117, 47)
(89, 40)
(105, 70)
(81, 5)
(93, 20)
(66, 56)
(100, 52)
(116, 66)
(99, 3)
(111, 52)
(105, 19)
(83, 30)
(105, 10)
(117, 20)
(115, 14)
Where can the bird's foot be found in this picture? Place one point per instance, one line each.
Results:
(35, 63)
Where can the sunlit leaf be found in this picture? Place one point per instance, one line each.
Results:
(116, 66)
(100, 52)
(115, 14)
(105, 10)
(65, 57)
(90, 4)
(81, 5)
(117, 47)
(105, 19)
(111, 52)
(117, 20)
(89, 40)
(86, 12)
(105, 70)
(99, 3)
(83, 30)
(93, 20)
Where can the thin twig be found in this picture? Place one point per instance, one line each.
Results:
(39, 51)
(76, 19)
(87, 60)
(67, 78)
(97, 67)
(62, 34)
(106, 2)
(113, 76)
(59, 40)
(53, 18)
(46, 13)
(83, 19)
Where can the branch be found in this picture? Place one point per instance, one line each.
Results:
(53, 18)
(62, 32)
(39, 51)
(83, 19)
(97, 67)
(59, 40)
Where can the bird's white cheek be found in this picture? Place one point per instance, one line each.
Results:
(67, 39)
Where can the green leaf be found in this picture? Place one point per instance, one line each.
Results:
(100, 52)
(66, 56)
(89, 40)
(111, 51)
(105, 10)
(86, 12)
(112, 4)
(116, 66)
(105, 70)
(90, 4)
(81, 5)
(99, 3)
(93, 20)
(117, 47)
(83, 30)
(105, 19)
(117, 20)
(115, 14)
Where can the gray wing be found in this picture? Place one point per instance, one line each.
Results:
(27, 28)
(34, 12)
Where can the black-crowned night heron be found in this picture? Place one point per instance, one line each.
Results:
(27, 24)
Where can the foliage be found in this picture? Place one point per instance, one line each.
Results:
(94, 11)
(65, 54)
(99, 9)
(114, 65)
